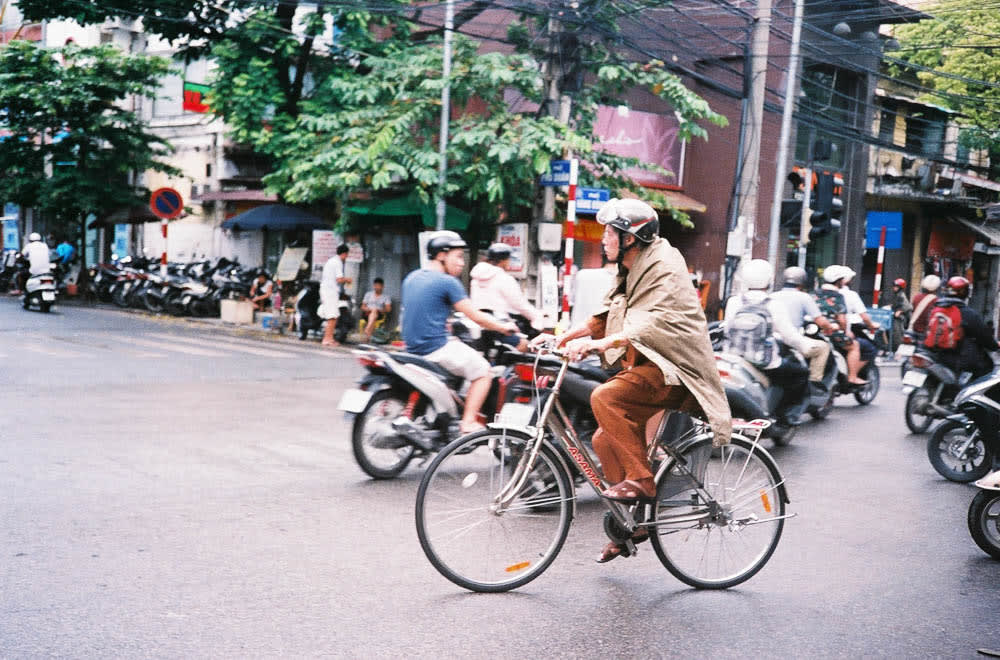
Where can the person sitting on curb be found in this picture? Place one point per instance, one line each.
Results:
(261, 291)
(374, 306)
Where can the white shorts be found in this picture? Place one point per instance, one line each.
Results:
(460, 360)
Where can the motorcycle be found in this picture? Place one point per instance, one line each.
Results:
(39, 289)
(752, 395)
(966, 445)
(406, 407)
(930, 388)
(835, 377)
(984, 515)
(307, 310)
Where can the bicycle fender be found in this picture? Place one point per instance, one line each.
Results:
(684, 445)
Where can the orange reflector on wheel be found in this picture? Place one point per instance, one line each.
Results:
(514, 568)
(766, 501)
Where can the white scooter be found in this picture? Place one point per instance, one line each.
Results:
(984, 515)
(40, 289)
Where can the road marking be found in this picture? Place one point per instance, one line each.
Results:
(223, 343)
(190, 350)
(53, 352)
(303, 350)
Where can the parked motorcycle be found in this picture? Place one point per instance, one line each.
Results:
(965, 446)
(307, 309)
(407, 407)
(984, 515)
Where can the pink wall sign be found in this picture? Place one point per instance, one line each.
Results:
(650, 137)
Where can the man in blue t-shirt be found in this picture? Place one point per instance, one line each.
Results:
(429, 295)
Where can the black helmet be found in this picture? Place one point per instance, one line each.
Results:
(498, 252)
(443, 241)
(632, 216)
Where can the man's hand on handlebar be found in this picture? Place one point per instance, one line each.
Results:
(581, 348)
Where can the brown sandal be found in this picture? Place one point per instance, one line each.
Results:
(628, 492)
(614, 550)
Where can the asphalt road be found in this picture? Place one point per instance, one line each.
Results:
(169, 490)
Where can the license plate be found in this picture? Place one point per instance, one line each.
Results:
(914, 378)
(905, 350)
(354, 401)
(516, 414)
(48, 296)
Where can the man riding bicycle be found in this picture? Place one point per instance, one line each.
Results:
(652, 325)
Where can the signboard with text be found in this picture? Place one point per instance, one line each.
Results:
(590, 200)
(893, 223)
(558, 174)
(516, 236)
(324, 246)
(652, 138)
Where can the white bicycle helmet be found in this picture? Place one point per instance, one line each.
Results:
(758, 274)
(34, 236)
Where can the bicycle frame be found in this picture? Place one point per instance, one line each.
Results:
(554, 419)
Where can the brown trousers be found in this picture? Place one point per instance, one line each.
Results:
(622, 406)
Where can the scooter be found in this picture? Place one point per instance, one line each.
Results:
(307, 310)
(966, 445)
(406, 407)
(835, 377)
(984, 515)
(40, 289)
(752, 395)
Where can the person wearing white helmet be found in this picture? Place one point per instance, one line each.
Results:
(857, 317)
(831, 304)
(923, 303)
(652, 325)
(754, 320)
(802, 309)
(36, 253)
(428, 296)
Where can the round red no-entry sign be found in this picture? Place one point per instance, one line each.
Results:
(166, 203)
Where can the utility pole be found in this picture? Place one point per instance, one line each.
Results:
(791, 85)
(750, 175)
(449, 26)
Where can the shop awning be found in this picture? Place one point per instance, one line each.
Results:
(951, 240)
(133, 215)
(991, 232)
(399, 209)
(677, 199)
(275, 217)
(234, 196)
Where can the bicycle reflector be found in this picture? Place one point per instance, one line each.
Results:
(514, 568)
(765, 500)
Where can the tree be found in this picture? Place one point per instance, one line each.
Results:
(340, 99)
(70, 143)
(955, 55)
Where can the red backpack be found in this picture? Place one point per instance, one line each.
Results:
(944, 329)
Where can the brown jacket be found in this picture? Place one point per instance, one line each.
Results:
(661, 316)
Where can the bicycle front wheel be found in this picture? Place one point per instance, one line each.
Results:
(721, 534)
(471, 538)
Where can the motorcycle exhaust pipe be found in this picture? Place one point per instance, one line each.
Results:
(413, 433)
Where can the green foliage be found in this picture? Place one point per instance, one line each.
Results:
(71, 140)
(959, 47)
(361, 110)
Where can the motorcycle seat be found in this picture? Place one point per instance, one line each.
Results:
(417, 361)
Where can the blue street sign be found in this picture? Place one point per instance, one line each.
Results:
(893, 223)
(121, 240)
(558, 174)
(590, 200)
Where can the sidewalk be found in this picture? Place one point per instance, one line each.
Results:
(217, 325)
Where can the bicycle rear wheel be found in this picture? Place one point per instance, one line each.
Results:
(721, 541)
(472, 541)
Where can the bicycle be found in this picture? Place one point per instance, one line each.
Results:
(494, 508)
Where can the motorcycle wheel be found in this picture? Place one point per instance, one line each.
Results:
(45, 306)
(867, 394)
(974, 463)
(152, 303)
(916, 421)
(827, 408)
(118, 296)
(373, 425)
(984, 521)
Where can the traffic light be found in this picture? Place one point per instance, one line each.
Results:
(822, 204)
